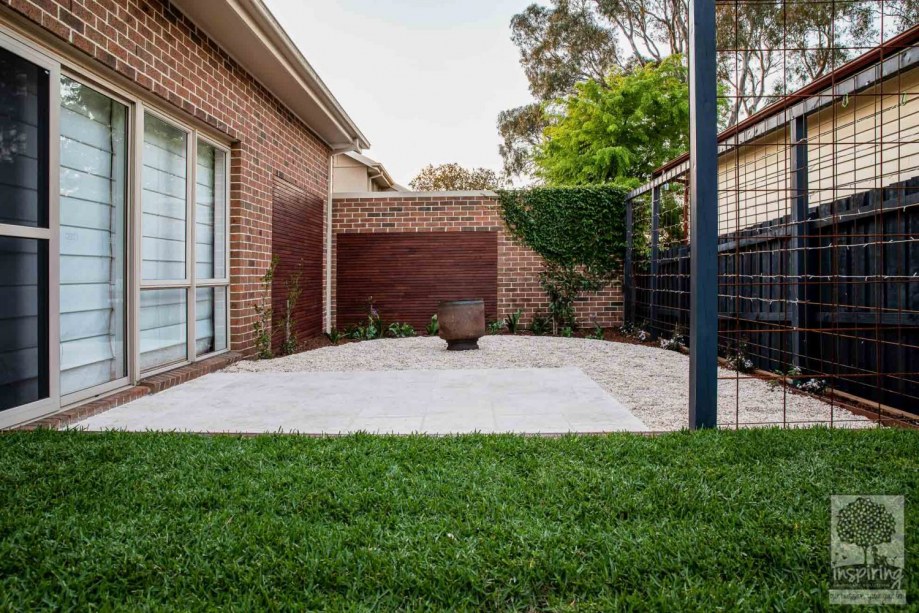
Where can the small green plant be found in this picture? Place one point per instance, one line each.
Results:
(294, 290)
(793, 378)
(334, 335)
(739, 359)
(566, 332)
(563, 285)
(540, 325)
(494, 327)
(512, 321)
(263, 313)
(598, 333)
(403, 330)
(433, 327)
(638, 332)
(677, 342)
(373, 329)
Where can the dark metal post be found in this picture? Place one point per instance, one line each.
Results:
(628, 277)
(655, 257)
(703, 197)
(797, 263)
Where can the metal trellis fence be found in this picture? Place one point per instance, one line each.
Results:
(818, 220)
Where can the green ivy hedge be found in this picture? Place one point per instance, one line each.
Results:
(572, 227)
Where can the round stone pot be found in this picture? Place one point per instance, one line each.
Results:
(462, 323)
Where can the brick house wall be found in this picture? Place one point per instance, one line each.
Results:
(518, 266)
(151, 47)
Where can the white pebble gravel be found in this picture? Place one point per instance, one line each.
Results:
(651, 382)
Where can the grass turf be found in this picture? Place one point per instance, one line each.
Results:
(682, 522)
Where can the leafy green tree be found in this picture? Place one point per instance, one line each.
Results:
(617, 130)
(574, 41)
(453, 177)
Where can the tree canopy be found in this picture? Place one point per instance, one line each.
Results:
(453, 177)
(576, 41)
(618, 129)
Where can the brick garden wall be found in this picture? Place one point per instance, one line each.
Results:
(157, 50)
(518, 266)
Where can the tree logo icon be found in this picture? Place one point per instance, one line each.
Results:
(866, 524)
(867, 550)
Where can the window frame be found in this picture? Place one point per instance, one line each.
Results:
(131, 320)
(59, 64)
(49, 236)
(190, 283)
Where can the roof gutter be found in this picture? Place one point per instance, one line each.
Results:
(249, 33)
(381, 173)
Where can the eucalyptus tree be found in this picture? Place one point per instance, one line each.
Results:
(767, 48)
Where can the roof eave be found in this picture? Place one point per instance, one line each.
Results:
(249, 33)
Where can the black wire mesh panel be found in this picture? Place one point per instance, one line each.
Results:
(818, 209)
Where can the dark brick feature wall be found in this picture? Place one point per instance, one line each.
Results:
(297, 238)
(409, 274)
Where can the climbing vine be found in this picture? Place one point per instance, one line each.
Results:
(579, 231)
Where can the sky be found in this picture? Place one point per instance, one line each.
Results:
(424, 80)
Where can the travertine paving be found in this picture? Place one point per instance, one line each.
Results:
(519, 400)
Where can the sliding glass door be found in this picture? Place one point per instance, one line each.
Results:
(93, 197)
(27, 374)
(113, 238)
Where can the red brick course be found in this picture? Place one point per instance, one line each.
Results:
(163, 381)
(159, 50)
(518, 266)
(72, 415)
(150, 385)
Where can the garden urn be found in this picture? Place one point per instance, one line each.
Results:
(462, 323)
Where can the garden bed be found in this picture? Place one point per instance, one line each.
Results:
(651, 382)
(699, 521)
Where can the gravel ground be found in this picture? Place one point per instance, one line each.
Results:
(652, 382)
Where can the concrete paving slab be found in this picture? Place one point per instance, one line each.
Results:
(521, 400)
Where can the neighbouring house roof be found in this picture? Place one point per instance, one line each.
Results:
(377, 172)
(893, 56)
(250, 34)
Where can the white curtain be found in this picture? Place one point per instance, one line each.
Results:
(163, 321)
(164, 201)
(93, 181)
(163, 312)
(210, 230)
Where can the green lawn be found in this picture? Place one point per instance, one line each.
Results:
(680, 522)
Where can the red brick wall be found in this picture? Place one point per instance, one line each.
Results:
(518, 266)
(157, 48)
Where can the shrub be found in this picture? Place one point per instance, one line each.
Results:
(677, 342)
(739, 359)
(631, 330)
(373, 329)
(402, 330)
(494, 327)
(793, 377)
(512, 321)
(598, 333)
(540, 325)
(294, 290)
(263, 313)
